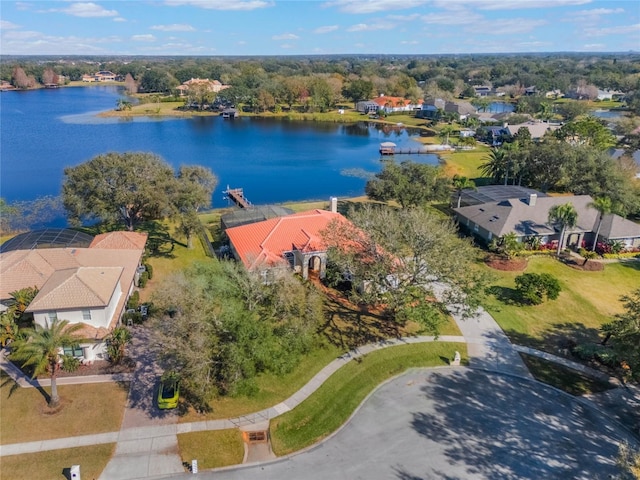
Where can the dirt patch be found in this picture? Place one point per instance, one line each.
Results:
(47, 411)
(578, 264)
(99, 367)
(517, 264)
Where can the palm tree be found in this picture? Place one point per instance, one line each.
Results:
(40, 347)
(116, 343)
(565, 216)
(444, 133)
(22, 298)
(496, 165)
(461, 183)
(604, 207)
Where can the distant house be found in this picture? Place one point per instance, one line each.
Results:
(536, 129)
(210, 85)
(292, 242)
(493, 135)
(483, 90)
(431, 109)
(609, 95)
(461, 109)
(367, 107)
(529, 91)
(84, 285)
(101, 76)
(529, 217)
(395, 104)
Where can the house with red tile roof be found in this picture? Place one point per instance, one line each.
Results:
(396, 104)
(88, 286)
(293, 241)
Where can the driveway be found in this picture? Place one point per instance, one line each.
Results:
(457, 424)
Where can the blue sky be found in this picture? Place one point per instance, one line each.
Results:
(308, 27)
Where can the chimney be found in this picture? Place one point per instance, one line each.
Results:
(532, 199)
(333, 202)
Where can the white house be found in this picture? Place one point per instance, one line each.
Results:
(88, 286)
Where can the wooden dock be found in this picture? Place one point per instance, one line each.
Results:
(404, 151)
(236, 195)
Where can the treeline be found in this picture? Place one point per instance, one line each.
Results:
(328, 80)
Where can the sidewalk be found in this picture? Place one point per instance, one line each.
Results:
(142, 443)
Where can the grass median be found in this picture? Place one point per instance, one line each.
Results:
(336, 400)
(56, 463)
(212, 449)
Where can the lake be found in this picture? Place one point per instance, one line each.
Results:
(44, 131)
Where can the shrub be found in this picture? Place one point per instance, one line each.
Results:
(149, 270)
(144, 278)
(134, 300)
(135, 317)
(535, 288)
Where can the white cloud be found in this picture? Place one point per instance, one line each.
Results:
(5, 25)
(619, 30)
(370, 27)
(174, 27)
(593, 46)
(241, 42)
(119, 19)
(372, 6)
(88, 9)
(505, 26)
(285, 36)
(286, 46)
(404, 18)
(143, 38)
(222, 4)
(21, 35)
(409, 42)
(326, 29)
(508, 4)
(36, 43)
(598, 12)
(448, 19)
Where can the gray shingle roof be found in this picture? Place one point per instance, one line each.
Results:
(516, 215)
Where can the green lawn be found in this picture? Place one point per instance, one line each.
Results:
(334, 402)
(466, 163)
(55, 464)
(587, 300)
(214, 449)
(24, 416)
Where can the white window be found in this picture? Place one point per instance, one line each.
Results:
(86, 315)
(489, 236)
(53, 316)
(475, 227)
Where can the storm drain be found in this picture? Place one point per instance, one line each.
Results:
(255, 437)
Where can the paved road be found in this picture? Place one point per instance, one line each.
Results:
(456, 424)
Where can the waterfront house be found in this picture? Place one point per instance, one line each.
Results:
(84, 285)
(291, 242)
(396, 104)
(367, 107)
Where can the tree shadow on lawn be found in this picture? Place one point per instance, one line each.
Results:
(495, 426)
(558, 339)
(505, 295)
(349, 326)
